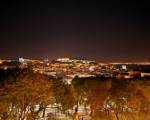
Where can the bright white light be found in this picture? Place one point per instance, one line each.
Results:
(21, 60)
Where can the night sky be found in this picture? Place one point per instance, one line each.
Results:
(106, 31)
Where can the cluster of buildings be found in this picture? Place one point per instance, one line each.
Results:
(68, 68)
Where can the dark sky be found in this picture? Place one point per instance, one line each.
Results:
(105, 31)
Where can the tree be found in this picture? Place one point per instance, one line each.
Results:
(64, 95)
(28, 90)
(95, 90)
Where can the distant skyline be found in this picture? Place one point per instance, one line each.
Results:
(109, 31)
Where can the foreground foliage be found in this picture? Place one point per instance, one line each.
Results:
(25, 95)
